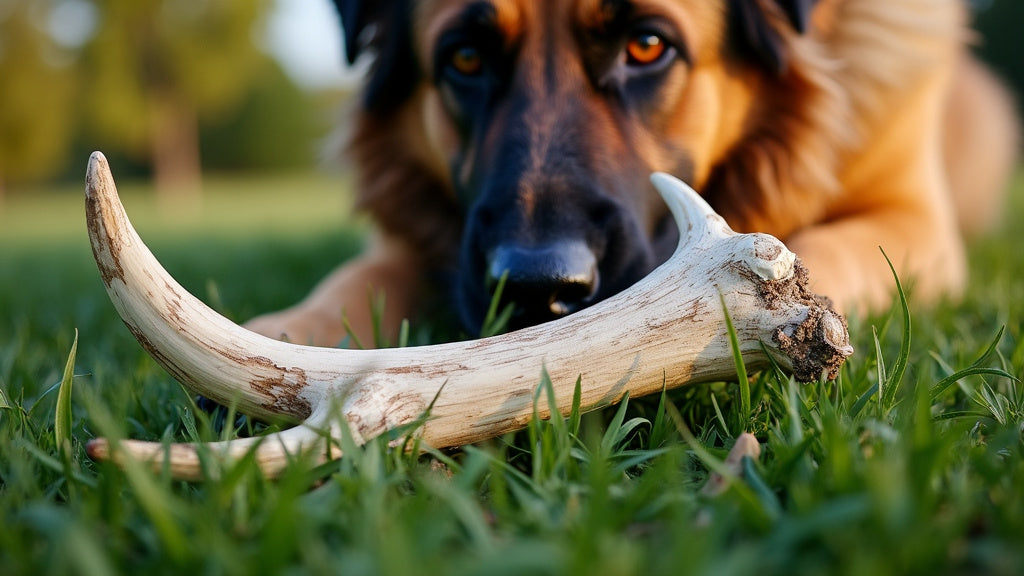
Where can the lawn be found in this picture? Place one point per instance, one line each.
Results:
(927, 477)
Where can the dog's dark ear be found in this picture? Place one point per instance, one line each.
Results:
(755, 35)
(798, 11)
(355, 17)
(360, 23)
(383, 27)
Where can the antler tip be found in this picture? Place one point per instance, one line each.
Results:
(97, 174)
(691, 212)
(98, 449)
(671, 187)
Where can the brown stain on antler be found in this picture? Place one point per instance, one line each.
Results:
(107, 249)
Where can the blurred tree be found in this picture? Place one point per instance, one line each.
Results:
(155, 66)
(36, 121)
(277, 126)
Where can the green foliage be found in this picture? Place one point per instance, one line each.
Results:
(923, 477)
(199, 55)
(37, 85)
(275, 126)
(148, 81)
(155, 68)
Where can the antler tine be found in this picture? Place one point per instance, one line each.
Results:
(665, 331)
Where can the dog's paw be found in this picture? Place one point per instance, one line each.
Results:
(282, 326)
(307, 326)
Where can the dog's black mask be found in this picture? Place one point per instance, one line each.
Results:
(555, 245)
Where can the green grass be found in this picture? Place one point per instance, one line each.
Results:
(927, 477)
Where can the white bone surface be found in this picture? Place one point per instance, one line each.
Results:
(667, 330)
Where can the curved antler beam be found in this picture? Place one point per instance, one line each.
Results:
(667, 330)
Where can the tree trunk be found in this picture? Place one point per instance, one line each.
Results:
(174, 143)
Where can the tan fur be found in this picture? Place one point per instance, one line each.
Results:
(387, 273)
(980, 145)
(861, 144)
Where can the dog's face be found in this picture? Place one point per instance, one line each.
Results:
(544, 119)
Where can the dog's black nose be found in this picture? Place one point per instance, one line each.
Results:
(545, 281)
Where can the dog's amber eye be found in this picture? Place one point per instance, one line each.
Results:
(466, 60)
(644, 49)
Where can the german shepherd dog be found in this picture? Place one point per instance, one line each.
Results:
(515, 138)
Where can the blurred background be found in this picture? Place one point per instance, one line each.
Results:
(171, 90)
(215, 116)
(167, 89)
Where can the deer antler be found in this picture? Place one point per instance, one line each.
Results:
(667, 330)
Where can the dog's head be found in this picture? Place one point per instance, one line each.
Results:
(524, 131)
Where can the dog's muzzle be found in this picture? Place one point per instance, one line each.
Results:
(546, 281)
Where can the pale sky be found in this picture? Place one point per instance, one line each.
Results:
(305, 35)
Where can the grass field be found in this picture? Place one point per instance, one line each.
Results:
(926, 478)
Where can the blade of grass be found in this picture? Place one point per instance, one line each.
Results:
(975, 369)
(378, 303)
(403, 333)
(157, 501)
(351, 333)
(793, 405)
(5, 403)
(188, 420)
(411, 441)
(627, 459)
(963, 414)
(52, 463)
(713, 464)
(62, 418)
(493, 322)
(618, 430)
(741, 369)
(948, 381)
(545, 434)
(159, 505)
(575, 414)
(659, 429)
(612, 431)
(895, 378)
(776, 370)
(862, 400)
(719, 418)
(768, 499)
(213, 296)
(997, 404)
(555, 418)
(881, 385)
